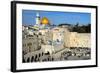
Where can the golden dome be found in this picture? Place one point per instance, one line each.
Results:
(44, 20)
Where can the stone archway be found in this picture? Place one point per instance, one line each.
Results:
(32, 58)
(28, 59)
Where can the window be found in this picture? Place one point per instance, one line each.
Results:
(39, 54)
(36, 57)
(32, 58)
(23, 60)
(28, 60)
(42, 53)
(58, 40)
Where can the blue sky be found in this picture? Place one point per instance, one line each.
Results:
(28, 17)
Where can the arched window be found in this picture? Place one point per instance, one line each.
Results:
(23, 60)
(35, 56)
(42, 53)
(32, 58)
(52, 59)
(39, 54)
(47, 53)
(48, 59)
(28, 60)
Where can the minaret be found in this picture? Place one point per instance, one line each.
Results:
(37, 19)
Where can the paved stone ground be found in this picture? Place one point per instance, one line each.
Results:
(64, 55)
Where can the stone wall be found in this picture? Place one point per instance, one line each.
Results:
(74, 39)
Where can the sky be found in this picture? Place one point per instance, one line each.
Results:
(56, 18)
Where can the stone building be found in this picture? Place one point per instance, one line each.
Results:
(30, 43)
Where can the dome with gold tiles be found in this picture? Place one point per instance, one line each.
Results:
(45, 21)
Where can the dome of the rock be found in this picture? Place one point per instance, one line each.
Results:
(44, 21)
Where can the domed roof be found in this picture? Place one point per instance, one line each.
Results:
(44, 20)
